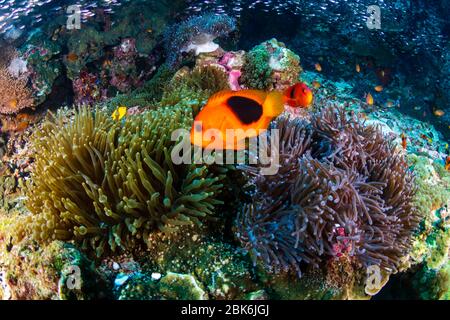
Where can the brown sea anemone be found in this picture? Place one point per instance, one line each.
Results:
(342, 191)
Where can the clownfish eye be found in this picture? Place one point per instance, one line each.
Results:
(198, 127)
(304, 91)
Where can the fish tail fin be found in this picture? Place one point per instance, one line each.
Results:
(274, 104)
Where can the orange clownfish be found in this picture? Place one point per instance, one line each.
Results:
(230, 117)
(299, 95)
(378, 88)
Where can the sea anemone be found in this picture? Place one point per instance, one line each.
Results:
(342, 191)
(107, 185)
(14, 93)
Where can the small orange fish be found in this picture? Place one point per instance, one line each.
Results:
(447, 163)
(369, 99)
(404, 141)
(438, 112)
(13, 103)
(298, 95)
(318, 67)
(389, 104)
(23, 117)
(229, 117)
(17, 124)
(358, 68)
(378, 88)
(316, 84)
(72, 57)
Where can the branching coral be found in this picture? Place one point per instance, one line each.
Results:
(108, 185)
(197, 34)
(14, 93)
(345, 190)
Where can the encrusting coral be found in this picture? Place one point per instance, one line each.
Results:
(342, 192)
(107, 184)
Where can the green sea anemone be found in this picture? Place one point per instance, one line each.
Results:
(107, 184)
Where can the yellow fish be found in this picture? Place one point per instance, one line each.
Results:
(358, 68)
(119, 113)
(378, 88)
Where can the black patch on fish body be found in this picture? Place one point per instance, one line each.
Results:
(292, 95)
(247, 110)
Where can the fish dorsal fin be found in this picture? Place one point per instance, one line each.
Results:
(220, 97)
(257, 95)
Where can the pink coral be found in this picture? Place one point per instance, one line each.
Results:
(233, 79)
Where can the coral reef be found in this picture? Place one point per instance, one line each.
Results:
(31, 272)
(342, 191)
(44, 67)
(123, 72)
(88, 89)
(108, 185)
